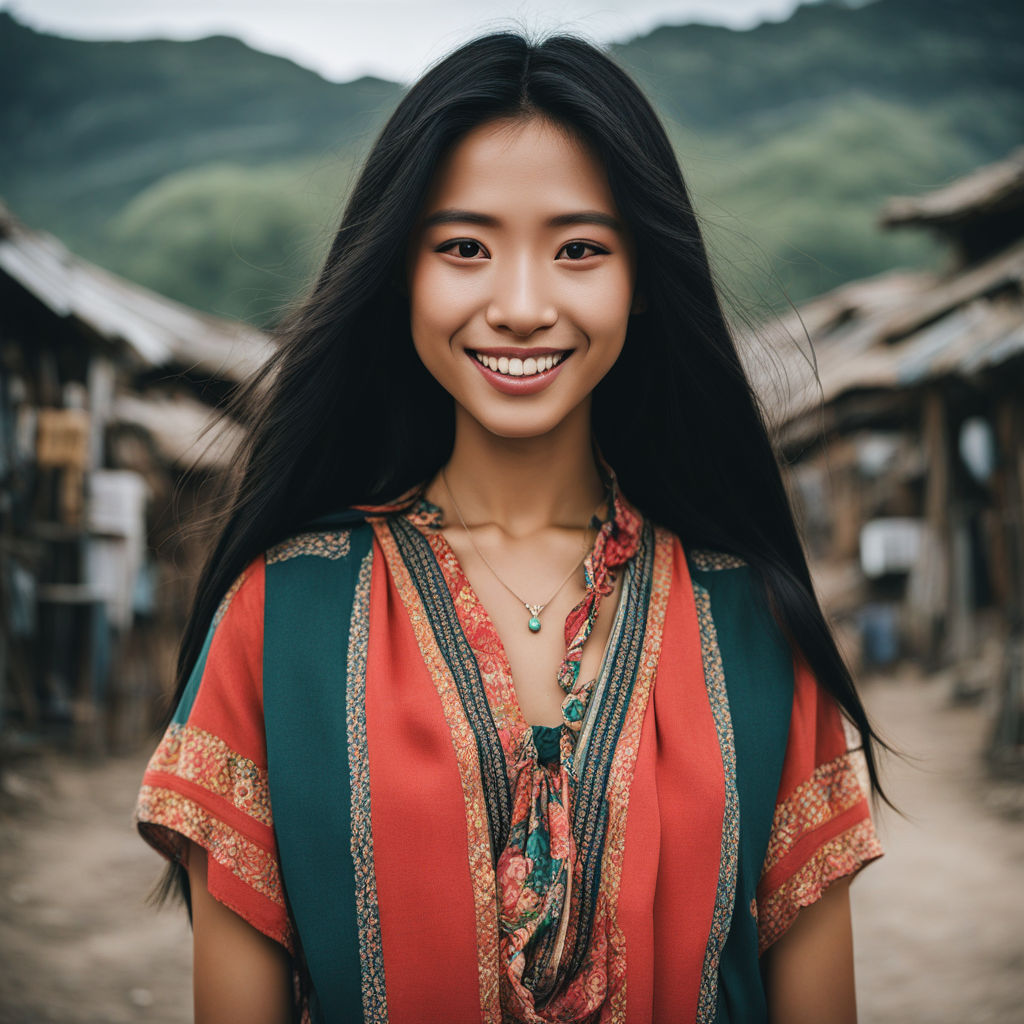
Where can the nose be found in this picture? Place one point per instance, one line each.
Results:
(519, 301)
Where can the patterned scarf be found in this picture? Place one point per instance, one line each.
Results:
(536, 872)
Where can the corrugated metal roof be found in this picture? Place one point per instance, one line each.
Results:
(159, 331)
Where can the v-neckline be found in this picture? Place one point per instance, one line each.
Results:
(429, 521)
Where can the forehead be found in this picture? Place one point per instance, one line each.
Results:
(524, 163)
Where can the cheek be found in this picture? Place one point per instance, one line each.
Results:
(439, 301)
(602, 309)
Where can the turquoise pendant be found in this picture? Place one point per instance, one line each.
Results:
(534, 623)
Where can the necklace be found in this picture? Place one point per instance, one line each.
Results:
(534, 609)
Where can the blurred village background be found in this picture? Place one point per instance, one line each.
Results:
(859, 171)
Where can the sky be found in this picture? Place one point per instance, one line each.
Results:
(394, 39)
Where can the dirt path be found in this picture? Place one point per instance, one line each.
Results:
(77, 941)
(939, 920)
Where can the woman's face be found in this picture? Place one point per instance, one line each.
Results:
(521, 276)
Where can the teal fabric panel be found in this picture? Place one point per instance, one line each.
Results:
(758, 667)
(547, 740)
(307, 615)
(188, 696)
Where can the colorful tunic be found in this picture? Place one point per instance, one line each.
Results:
(432, 856)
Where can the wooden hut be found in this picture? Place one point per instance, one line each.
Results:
(105, 391)
(905, 433)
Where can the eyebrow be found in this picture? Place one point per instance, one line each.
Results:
(451, 216)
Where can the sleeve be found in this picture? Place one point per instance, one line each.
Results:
(207, 780)
(822, 828)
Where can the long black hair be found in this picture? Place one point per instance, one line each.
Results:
(344, 413)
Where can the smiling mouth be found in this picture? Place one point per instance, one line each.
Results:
(514, 367)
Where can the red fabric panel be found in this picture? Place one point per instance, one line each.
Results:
(816, 738)
(425, 894)
(197, 784)
(673, 834)
(816, 733)
(822, 829)
(230, 699)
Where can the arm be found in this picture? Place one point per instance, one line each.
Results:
(239, 975)
(808, 971)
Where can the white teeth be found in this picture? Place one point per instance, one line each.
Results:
(520, 367)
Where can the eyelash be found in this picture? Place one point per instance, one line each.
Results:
(596, 249)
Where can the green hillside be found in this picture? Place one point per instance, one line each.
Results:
(792, 134)
(215, 173)
(87, 126)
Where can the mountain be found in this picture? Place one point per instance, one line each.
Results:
(914, 52)
(89, 125)
(216, 173)
(793, 133)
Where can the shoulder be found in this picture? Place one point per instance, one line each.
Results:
(739, 631)
(726, 586)
(729, 586)
(332, 537)
(731, 599)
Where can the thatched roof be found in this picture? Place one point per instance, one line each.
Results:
(888, 334)
(995, 189)
(155, 331)
(186, 433)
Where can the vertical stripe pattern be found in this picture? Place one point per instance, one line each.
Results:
(468, 758)
(714, 677)
(371, 955)
(429, 581)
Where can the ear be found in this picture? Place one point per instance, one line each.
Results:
(639, 304)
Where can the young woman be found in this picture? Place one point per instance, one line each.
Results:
(506, 695)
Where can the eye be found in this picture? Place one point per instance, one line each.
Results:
(465, 248)
(576, 251)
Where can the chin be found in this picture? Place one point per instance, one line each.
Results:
(523, 427)
(518, 424)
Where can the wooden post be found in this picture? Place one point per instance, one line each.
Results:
(928, 590)
(848, 515)
(1007, 745)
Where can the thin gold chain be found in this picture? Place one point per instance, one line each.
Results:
(533, 609)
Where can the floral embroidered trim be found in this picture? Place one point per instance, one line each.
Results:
(481, 863)
(371, 952)
(843, 855)
(201, 757)
(323, 544)
(165, 818)
(442, 619)
(591, 930)
(228, 597)
(725, 894)
(708, 561)
(831, 790)
(620, 778)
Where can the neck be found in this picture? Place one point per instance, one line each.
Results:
(523, 485)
